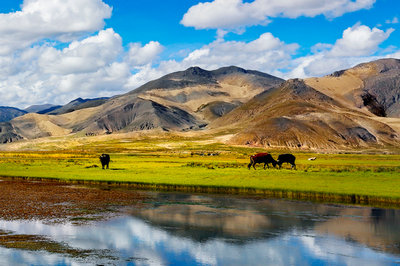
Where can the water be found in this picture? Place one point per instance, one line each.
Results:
(184, 229)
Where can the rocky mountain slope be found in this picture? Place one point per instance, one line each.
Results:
(38, 108)
(182, 101)
(8, 113)
(74, 105)
(296, 115)
(353, 108)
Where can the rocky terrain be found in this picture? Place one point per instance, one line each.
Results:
(352, 108)
(8, 113)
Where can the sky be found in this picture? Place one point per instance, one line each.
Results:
(53, 51)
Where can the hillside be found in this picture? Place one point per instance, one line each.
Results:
(353, 108)
(74, 105)
(347, 109)
(41, 108)
(180, 101)
(373, 86)
(8, 113)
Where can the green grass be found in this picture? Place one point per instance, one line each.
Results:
(171, 163)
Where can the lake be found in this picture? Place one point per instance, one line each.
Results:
(154, 228)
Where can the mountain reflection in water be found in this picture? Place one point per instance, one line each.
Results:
(219, 230)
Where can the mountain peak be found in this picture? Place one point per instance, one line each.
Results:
(196, 72)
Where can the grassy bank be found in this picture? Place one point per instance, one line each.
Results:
(191, 166)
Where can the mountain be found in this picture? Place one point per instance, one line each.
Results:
(8, 133)
(296, 115)
(74, 105)
(180, 101)
(374, 86)
(40, 108)
(357, 107)
(352, 108)
(8, 113)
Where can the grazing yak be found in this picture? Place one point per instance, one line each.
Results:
(286, 158)
(265, 158)
(105, 160)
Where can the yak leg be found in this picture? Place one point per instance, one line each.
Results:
(251, 164)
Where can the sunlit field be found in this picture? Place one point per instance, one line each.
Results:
(195, 163)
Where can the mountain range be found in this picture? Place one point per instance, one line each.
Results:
(352, 108)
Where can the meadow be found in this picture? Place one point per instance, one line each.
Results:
(202, 166)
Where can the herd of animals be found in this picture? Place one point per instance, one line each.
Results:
(265, 158)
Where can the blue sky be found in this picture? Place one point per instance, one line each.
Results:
(52, 51)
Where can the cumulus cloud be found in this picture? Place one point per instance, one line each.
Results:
(91, 61)
(359, 40)
(94, 66)
(83, 56)
(266, 53)
(231, 14)
(358, 44)
(41, 61)
(139, 56)
(62, 20)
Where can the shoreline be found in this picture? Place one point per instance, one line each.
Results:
(317, 197)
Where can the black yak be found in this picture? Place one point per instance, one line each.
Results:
(265, 158)
(105, 160)
(286, 158)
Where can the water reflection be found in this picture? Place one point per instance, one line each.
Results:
(193, 229)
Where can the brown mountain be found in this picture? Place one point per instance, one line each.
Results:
(353, 108)
(342, 110)
(185, 100)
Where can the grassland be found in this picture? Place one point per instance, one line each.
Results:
(199, 165)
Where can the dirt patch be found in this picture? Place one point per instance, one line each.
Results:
(58, 202)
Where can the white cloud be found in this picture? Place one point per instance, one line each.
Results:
(358, 44)
(266, 53)
(83, 56)
(92, 67)
(232, 14)
(62, 20)
(99, 65)
(359, 40)
(36, 70)
(139, 55)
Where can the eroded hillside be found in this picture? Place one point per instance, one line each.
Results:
(353, 108)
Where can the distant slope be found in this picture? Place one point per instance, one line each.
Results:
(179, 101)
(40, 107)
(373, 86)
(353, 108)
(8, 113)
(77, 104)
(196, 90)
(8, 133)
(296, 115)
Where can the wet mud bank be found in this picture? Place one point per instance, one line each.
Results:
(366, 200)
(22, 199)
